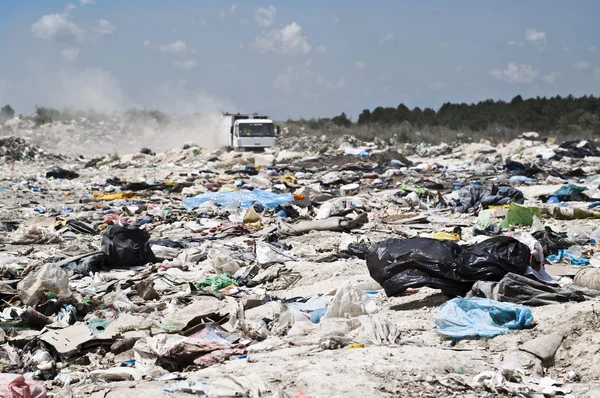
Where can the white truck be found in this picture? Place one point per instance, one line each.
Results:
(246, 132)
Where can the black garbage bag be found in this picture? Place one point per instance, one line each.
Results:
(522, 169)
(57, 172)
(359, 250)
(84, 266)
(126, 246)
(471, 196)
(169, 243)
(141, 186)
(552, 242)
(399, 264)
(577, 149)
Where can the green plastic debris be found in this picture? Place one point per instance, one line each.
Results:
(97, 326)
(50, 295)
(484, 219)
(216, 282)
(520, 215)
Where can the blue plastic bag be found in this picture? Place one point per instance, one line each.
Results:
(479, 317)
(563, 253)
(244, 198)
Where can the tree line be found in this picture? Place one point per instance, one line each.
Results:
(555, 114)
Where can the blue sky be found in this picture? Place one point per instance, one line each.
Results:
(293, 58)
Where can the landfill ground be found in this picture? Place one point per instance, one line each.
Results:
(114, 330)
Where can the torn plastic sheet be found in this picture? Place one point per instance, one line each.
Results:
(479, 317)
(242, 199)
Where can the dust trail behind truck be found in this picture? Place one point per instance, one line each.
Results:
(247, 131)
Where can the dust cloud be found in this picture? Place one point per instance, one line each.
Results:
(97, 116)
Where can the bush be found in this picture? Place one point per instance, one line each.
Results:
(46, 115)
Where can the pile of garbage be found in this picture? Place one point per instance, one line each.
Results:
(16, 149)
(460, 270)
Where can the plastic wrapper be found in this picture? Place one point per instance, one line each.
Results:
(478, 317)
(399, 264)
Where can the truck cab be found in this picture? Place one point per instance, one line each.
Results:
(253, 133)
(248, 131)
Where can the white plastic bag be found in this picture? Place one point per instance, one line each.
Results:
(50, 278)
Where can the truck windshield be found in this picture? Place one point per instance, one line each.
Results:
(256, 130)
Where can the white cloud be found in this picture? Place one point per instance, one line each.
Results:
(288, 40)
(232, 8)
(442, 44)
(438, 86)
(187, 64)
(222, 14)
(593, 49)
(515, 43)
(70, 54)
(335, 20)
(388, 37)
(265, 16)
(176, 47)
(360, 65)
(87, 2)
(515, 73)
(57, 26)
(338, 84)
(551, 77)
(308, 63)
(459, 68)
(538, 39)
(70, 7)
(321, 49)
(104, 28)
(581, 65)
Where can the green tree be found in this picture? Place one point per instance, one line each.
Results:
(342, 120)
(7, 112)
(364, 117)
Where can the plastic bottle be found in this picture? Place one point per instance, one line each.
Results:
(567, 213)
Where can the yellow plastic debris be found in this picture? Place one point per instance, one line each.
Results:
(446, 236)
(356, 345)
(113, 196)
(289, 179)
(251, 216)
